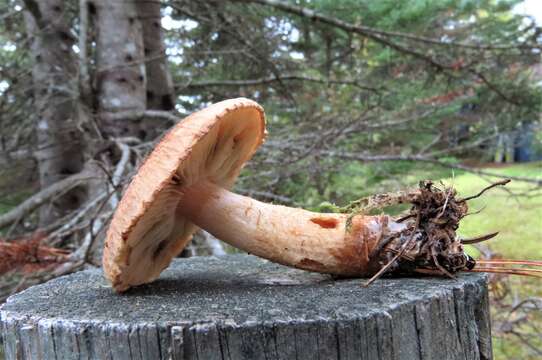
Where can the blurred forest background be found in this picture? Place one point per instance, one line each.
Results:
(361, 97)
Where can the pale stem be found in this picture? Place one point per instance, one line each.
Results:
(290, 236)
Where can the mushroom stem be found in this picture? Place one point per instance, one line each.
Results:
(323, 242)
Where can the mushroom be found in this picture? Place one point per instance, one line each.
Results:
(184, 184)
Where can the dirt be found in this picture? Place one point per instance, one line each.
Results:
(429, 244)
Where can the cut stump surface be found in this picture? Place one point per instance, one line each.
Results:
(241, 307)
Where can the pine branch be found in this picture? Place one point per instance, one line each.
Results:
(272, 79)
(377, 34)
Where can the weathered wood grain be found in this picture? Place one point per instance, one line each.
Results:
(241, 307)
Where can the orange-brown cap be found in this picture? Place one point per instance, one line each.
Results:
(147, 230)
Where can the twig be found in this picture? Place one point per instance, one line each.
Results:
(479, 239)
(267, 195)
(273, 79)
(374, 158)
(498, 183)
(134, 115)
(119, 170)
(74, 219)
(38, 199)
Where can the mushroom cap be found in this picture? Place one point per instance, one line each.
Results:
(147, 231)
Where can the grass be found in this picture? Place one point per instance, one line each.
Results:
(519, 222)
(517, 218)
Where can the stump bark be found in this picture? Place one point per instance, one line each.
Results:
(241, 307)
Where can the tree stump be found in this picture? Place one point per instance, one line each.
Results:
(242, 307)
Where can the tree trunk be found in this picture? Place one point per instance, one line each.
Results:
(159, 83)
(160, 93)
(120, 64)
(59, 141)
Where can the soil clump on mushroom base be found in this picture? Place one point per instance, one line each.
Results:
(429, 242)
